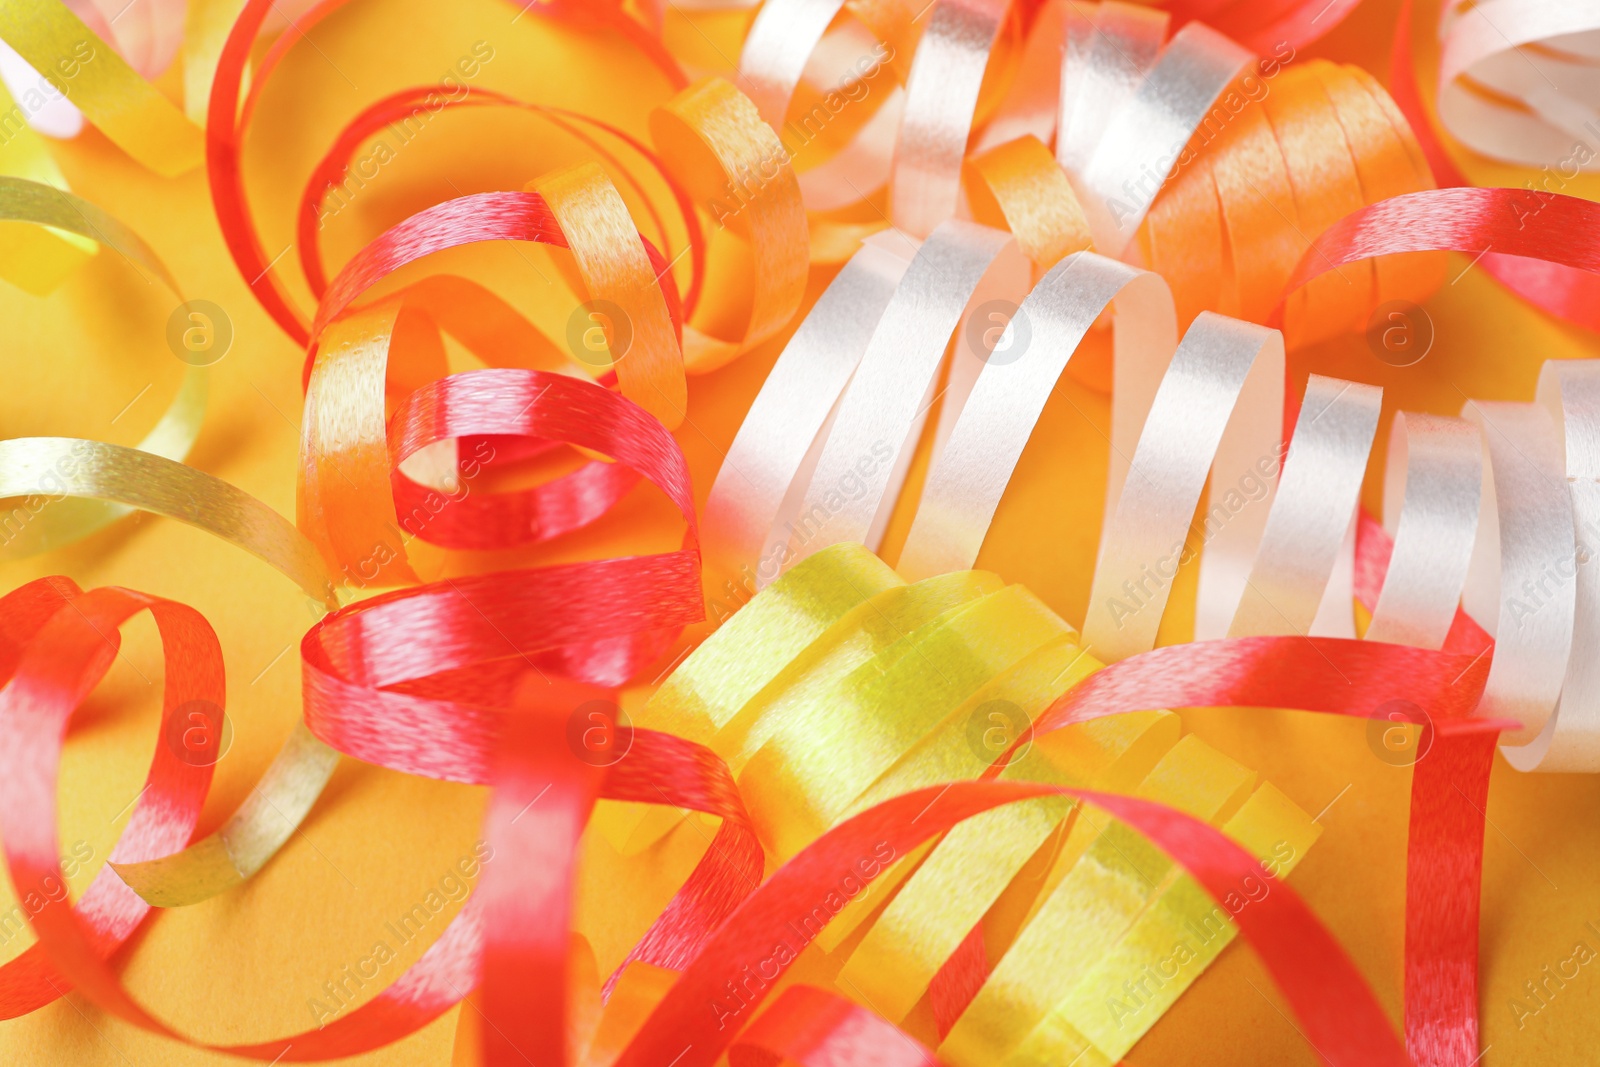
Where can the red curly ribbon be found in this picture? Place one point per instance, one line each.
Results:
(1553, 286)
(815, 1028)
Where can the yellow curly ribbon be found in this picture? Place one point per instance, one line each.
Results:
(840, 685)
(34, 258)
(51, 514)
(111, 94)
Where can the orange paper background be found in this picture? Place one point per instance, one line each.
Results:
(91, 361)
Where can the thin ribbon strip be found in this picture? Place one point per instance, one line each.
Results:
(327, 180)
(1348, 451)
(35, 258)
(347, 504)
(1263, 25)
(1354, 1032)
(1552, 285)
(496, 402)
(710, 137)
(671, 600)
(815, 1028)
(374, 658)
(65, 470)
(111, 94)
(1188, 155)
(1518, 80)
(47, 520)
(705, 111)
(51, 666)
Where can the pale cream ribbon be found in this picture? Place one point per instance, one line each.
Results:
(1519, 80)
(1485, 511)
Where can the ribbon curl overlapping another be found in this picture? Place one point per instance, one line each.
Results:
(748, 728)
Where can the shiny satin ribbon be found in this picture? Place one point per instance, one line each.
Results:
(941, 99)
(966, 481)
(134, 479)
(370, 1024)
(46, 477)
(1263, 26)
(1300, 578)
(347, 503)
(1559, 284)
(1548, 512)
(783, 780)
(962, 488)
(110, 93)
(1189, 156)
(1145, 128)
(710, 136)
(1518, 80)
(1530, 570)
(1431, 492)
(330, 172)
(1525, 532)
(665, 607)
(1321, 507)
(783, 41)
(710, 121)
(988, 411)
(1571, 738)
(558, 407)
(35, 258)
(1434, 834)
(1223, 376)
(69, 471)
(651, 1043)
(821, 475)
(1162, 672)
(955, 273)
(766, 460)
(49, 672)
(296, 777)
(815, 1028)
(416, 995)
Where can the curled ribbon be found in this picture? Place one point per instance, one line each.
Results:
(1189, 156)
(1518, 80)
(44, 473)
(1485, 513)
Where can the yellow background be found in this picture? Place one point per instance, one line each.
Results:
(243, 967)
